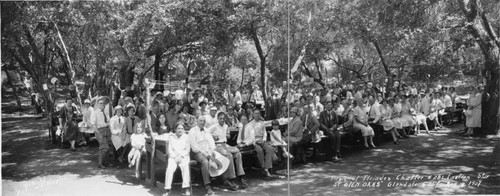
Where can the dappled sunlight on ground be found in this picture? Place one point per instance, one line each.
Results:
(33, 166)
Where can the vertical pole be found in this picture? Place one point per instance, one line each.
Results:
(288, 87)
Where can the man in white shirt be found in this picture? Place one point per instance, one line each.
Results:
(265, 151)
(100, 122)
(202, 150)
(446, 99)
(220, 134)
(374, 111)
(316, 106)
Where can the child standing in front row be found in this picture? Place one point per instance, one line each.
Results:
(138, 142)
(276, 140)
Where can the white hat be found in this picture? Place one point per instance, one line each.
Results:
(218, 164)
(86, 101)
(213, 108)
(118, 107)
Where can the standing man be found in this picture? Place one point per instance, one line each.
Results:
(202, 150)
(100, 122)
(220, 134)
(328, 124)
(154, 114)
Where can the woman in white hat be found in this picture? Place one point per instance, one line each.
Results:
(117, 126)
(85, 124)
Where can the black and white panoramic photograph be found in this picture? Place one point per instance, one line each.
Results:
(250, 97)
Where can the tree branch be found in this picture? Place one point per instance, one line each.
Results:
(489, 29)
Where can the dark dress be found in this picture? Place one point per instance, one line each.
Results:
(71, 132)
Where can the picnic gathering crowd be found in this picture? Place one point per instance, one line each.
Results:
(215, 127)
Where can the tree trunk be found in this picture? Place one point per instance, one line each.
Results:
(242, 76)
(390, 78)
(480, 28)
(127, 77)
(262, 59)
(158, 74)
(14, 90)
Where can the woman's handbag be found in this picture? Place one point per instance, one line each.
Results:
(468, 112)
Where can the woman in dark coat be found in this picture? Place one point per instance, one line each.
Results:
(67, 118)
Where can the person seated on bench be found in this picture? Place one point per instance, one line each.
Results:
(265, 152)
(277, 140)
(178, 156)
(386, 121)
(311, 126)
(373, 111)
(396, 118)
(295, 129)
(347, 116)
(435, 106)
(406, 114)
(202, 150)
(138, 143)
(420, 118)
(220, 133)
(328, 124)
(361, 122)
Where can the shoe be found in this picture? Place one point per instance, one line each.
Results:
(209, 190)
(373, 146)
(110, 165)
(229, 185)
(187, 192)
(335, 159)
(266, 173)
(72, 149)
(101, 166)
(396, 142)
(338, 155)
(166, 193)
(243, 183)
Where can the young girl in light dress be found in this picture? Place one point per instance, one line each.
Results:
(277, 141)
(138, 141)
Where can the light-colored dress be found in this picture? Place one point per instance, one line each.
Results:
(362, 116)
(118, 134)
(475, 119)
(276, 139)
(396, 117)
(386, 117)
(406, 114)
(397, 121)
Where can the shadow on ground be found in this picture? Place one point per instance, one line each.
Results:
(28, 156)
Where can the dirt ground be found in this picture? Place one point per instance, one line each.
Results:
(442, 164)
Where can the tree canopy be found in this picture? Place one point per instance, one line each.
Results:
(116, 44)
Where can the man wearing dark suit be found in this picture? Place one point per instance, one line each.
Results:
(311, 126)
(328, 124)
(155, 115)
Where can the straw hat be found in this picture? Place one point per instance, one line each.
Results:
(218, 165)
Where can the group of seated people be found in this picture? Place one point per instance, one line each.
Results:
(201, 129)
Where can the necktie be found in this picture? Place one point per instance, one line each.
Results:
(119, 120)
(105, 118)
(132, 122)
(305, 122)
(243, 133)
